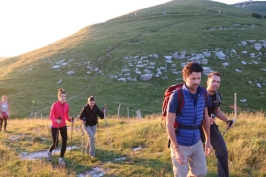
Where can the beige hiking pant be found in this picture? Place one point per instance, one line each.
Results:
(195, 161)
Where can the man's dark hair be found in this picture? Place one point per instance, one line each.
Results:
(191, 67)
(214, 73)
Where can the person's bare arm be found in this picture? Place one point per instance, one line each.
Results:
(170, 120)
(206, 130)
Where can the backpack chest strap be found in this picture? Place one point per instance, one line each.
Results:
(189, 127)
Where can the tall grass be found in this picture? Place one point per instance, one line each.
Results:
(245, 141)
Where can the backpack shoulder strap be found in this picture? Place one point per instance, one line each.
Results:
(218, 97)
(180, 99)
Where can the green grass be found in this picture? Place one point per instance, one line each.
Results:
(245, 141)
(29, 77)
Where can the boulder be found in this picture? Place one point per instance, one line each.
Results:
(257, 46)
(122, 79)
(220, 55)
(146, 77)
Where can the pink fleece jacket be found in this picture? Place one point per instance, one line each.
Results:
(59, 110)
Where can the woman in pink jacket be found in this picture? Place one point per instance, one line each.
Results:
(58, 116)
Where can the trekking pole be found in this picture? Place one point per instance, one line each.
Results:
(72, 121)
(235, 114)
(56, 140)
(106, 124)
(82, 139)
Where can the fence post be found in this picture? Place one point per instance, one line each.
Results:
(138, 114)
(118, 110)
(128, 113)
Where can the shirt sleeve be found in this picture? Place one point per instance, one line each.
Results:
(208, 101)
(219, 104)
(82, 113)
(52, 111)
(172, 103)
(66, 115)
(100, 113)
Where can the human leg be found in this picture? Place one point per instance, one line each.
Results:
(221, 152)
(55, 139)
(63, 133)
(5, 123)
(1, 123)
(90, 149)
(55, 143)
(180, 170)
(197, 161)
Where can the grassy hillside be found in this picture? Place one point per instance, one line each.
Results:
(102, 53)
(2, 58)
(256, 6)
(137, 148)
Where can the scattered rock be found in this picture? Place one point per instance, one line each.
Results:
(146, 77)
(137, 148)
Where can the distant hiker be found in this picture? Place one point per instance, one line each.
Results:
(187, 152)
(89, 118)
(217, 141)
(4, 112)
(58, 116)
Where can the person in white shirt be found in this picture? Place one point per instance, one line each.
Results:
(4, 112)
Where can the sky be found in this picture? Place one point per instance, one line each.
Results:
(26, 25)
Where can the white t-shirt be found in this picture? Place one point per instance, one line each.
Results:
(4, 107)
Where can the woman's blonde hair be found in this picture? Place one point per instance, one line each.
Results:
(4, 96)
(91, 98)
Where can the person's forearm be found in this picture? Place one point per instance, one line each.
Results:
(206, 126)
(170, 120)
(172, 136)
(221, 115)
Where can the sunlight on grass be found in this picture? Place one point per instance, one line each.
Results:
(245, 141)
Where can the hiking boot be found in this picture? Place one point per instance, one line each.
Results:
(49, 156)
(92, 157)
(61, 162)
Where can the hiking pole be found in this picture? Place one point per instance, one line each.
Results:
(106, 124)
(231, 122)
(56, 140)
(230, 125)
(82, 139)
(72, 121)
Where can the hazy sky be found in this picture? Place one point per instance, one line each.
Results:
(26, 25)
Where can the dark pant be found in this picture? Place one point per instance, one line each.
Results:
(1, 123)
(63, 133)
(221, 153)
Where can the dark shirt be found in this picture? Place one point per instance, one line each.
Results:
(216, 100)
(91, 115)
(194, 97)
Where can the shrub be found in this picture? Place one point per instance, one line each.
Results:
(256, 15)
